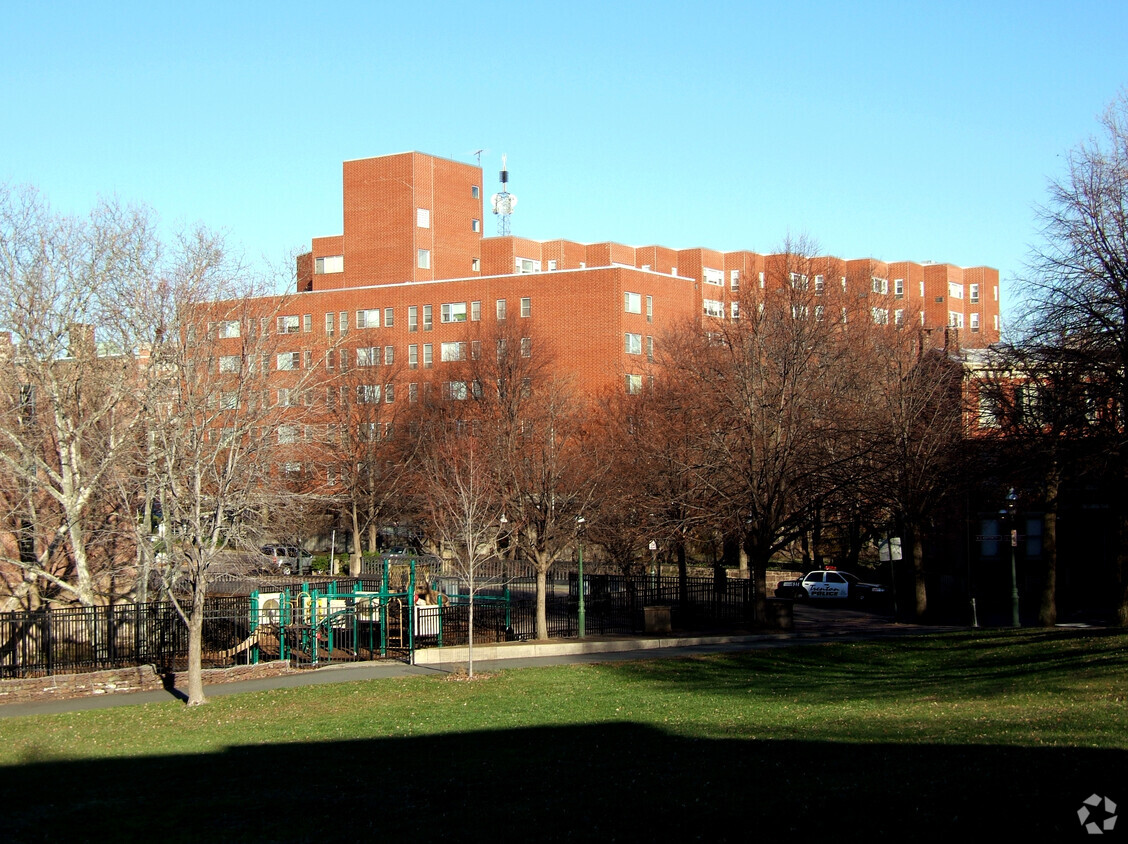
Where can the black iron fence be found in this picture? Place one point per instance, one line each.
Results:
(362, 620)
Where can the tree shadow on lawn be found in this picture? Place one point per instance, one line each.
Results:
(617, 781)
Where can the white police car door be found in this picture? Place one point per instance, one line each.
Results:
(836, 586)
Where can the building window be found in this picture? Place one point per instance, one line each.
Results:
(526, 307)
(734, 279)
(413, 393)
(287, 434)
(289, 324)
(632, 303)
(288, 361)
(526, 347)
(389, 398)
(330, 323)
(227, 328)
(922, 290)
(879, 285)
(475, 311)
(502, 349)
(229, 363)
(368, 319)
(412, 317)
(368, 356)
(413, 356)
(820, 285)
(633, 344)
(650, 309)
(973, 293)
(955, 291)
(307, 322)
(955, 319)
(761, 280)
(475, 265)
(714, 276)
(880, 316)
(453, 312)
(649, 347)
(428, 356)
(475, 225)
(344, 321)
(329, 264)
(428, 321)
(344, 359)
(475, 349)
(424, 259)
(389, 317)
(367, 393)
(527, 265)
(974, 323)
(734, 309)
(713, 308)
(474, 192)
(307, 359)
(552, 265)
(389, 355)
(501, 309)
(634, 384)
(422, 218)
(455, 390)
(898, 317)
(449, 352)
(899, 288)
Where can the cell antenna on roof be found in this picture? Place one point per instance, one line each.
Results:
(503, 202)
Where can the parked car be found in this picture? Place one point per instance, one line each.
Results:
(287, 559)
(831, 585)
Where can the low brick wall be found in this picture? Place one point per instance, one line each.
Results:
(141, 678)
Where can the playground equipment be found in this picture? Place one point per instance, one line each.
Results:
(346, 620)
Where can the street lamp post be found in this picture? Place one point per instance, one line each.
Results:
(581, 613)
(1012, 511)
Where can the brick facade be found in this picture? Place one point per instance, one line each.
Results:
(398, 206)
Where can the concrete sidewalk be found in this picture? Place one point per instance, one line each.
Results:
(812, 624)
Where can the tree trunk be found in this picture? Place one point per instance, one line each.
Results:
(1122, 569)
(196, 646)
(920, 592)
(354, 560)
(542, 603)
(470, 639)
(1047, 605)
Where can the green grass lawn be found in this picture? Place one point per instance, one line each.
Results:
(995, 734)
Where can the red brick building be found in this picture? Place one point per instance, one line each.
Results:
(412, 271)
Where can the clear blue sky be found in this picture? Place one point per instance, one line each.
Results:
(894, 130)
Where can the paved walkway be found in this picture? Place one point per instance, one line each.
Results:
(812, 624)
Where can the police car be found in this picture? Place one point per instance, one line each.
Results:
(830, 585)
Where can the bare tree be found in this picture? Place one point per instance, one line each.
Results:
(70, 413)
(462, 507)
(222, 441)
(364, 449)
(536, 447)
(782, 385)
(915, 428)
(1077, 288)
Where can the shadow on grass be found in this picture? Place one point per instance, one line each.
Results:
(616, 781)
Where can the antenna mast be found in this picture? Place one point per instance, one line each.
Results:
(503, 202)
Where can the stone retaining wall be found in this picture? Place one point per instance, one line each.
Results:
(142, 678)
